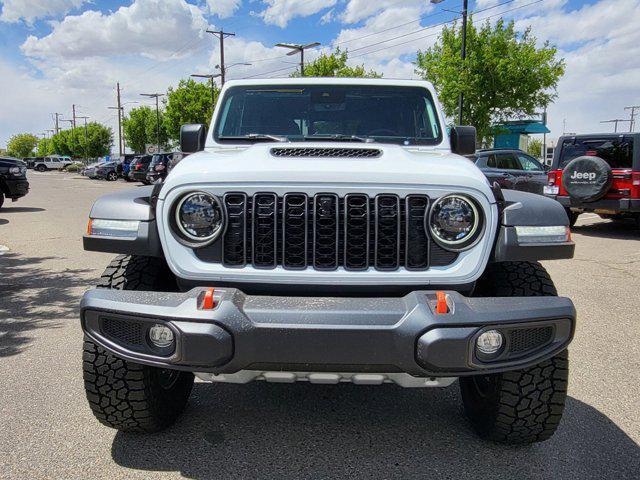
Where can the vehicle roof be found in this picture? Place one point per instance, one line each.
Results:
(11, 160)
(488, 150)
(603, 135)
(388, 82)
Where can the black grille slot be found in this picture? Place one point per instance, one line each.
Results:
(387, 234)
(265, 230)
(295, 218)
(235, 238)
(325, 231)
(327, 152)
(356, 232)
(417, 243)
(129, 333)
(524, 339)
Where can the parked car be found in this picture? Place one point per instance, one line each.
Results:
(52, 162)
(512, 169)
(138, 169)
(124, 165)
(90, 170)
(161, 164)
(31, 161)
(13, 179)
(597, 173)
(372, 254)
(108, 171)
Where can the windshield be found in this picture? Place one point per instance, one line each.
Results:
(617, 152)
(405, 115)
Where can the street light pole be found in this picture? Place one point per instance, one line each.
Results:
(297, 48)
(213, 85)
(156, 96)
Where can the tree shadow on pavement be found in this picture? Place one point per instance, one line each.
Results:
(615, 230)
(344, 431)
(33, 297)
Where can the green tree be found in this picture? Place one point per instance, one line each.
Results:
(45, 147)
(22, 145)
(504, 76)
(140, 128)
(95, 142)
(189, 102)
(534, 148)
(335, 65)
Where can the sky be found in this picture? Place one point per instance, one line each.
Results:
(56, 53)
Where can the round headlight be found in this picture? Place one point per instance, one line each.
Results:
(199, 217)
(455, 222)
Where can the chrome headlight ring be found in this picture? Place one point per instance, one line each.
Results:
(469, 212)
(212, 223)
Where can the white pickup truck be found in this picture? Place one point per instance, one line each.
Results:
(51, 162)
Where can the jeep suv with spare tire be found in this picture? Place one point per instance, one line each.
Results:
(13, 179)
(328, 231)
(597, 173)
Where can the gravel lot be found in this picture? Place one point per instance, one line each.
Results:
(294, 431)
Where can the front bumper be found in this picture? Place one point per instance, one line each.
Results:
(17, 187)
(295, 334)
(622, 205)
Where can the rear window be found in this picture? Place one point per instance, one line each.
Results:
(503, 161)
(617, 152)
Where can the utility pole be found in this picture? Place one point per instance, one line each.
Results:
(297, 48)
(57, 122)
(465, 14)
(632, 122)
(85, 137)
(73, 109)
(221, 34)
(616, 121)
(156, 96)
(119, 107)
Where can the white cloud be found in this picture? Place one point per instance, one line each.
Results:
(223, 8)
(280, 12)
(31, 10)
(151, 28)
(358, 10)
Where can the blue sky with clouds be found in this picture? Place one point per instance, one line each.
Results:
(54, 53)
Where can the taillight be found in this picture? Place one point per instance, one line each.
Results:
(551, 178)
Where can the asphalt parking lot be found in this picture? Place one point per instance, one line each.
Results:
(294, 431)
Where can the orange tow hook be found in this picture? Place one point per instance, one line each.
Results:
(441, 303)
(207, 302)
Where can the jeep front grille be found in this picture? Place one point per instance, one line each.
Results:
(325, 232)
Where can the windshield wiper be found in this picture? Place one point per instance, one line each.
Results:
(339, 136)
(257, 136)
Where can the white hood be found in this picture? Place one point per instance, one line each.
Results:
(397, 165)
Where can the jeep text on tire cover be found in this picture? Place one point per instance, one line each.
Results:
(328, 230)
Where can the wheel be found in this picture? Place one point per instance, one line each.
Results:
(40, 168)
(522, 406)
(126, 395)
(146, 182)
(112, 176)
(1, 199)
(573, 217)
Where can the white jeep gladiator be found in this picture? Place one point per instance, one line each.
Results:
(329, 230)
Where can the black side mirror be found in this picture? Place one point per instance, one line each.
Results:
(193, 137)
(463, 140)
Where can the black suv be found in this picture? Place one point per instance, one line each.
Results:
(138, 169)
(13, 179)
(161, 164)
(512, 169)
(597, 173)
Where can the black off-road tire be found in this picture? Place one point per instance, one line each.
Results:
(522, 406)
(125, 395)
(573, 217)
(41, 168)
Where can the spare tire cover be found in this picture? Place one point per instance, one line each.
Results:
(587, 178)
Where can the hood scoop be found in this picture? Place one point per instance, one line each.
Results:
(326, 152)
